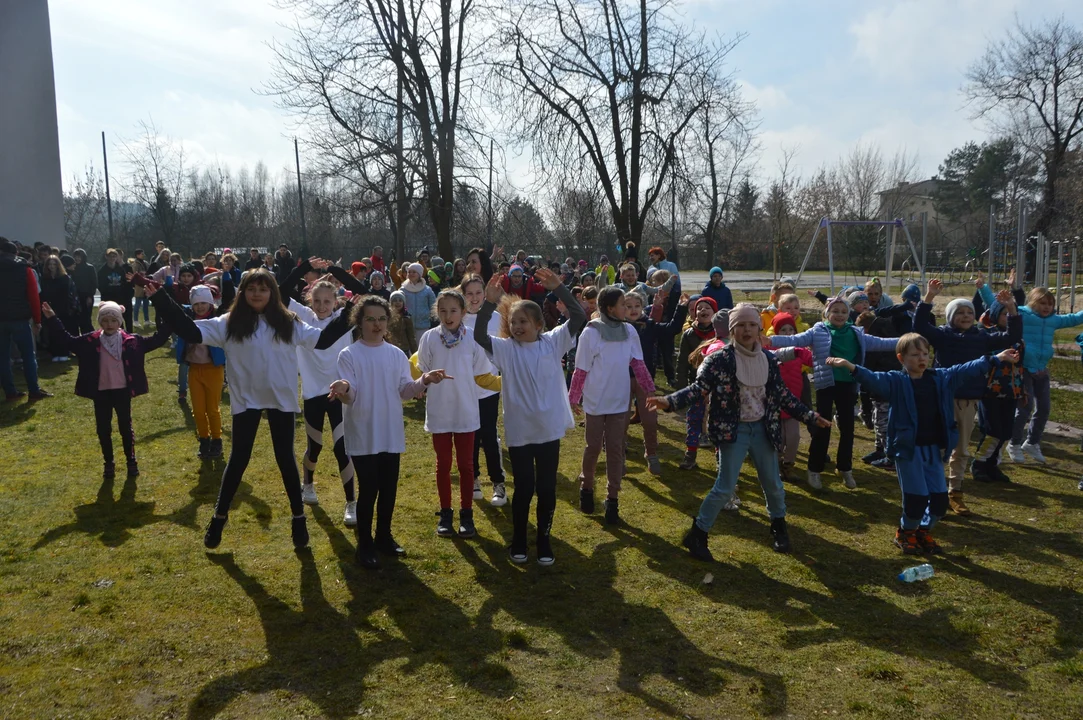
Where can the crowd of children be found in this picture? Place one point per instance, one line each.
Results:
(561, 340)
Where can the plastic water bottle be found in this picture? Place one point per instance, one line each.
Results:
(916, 573)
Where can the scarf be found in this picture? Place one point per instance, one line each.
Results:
(453, 339)
(113, 344)
(611, 330)
(752, 365)
(703, 333)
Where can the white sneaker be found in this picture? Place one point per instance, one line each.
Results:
(308, 494)
(1080, 486)
(1015, 452)
(848, 479)
(350, 518)
(1034, 450)
(733, 504)
(500, 498)
(814, 481)
(477, 489)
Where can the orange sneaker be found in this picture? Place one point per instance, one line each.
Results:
(927, 543)
(907, 541)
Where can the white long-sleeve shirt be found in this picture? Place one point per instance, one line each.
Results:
(452, 405)
(319, 368)
(380, 379)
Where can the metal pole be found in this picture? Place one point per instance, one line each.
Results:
(1058, 251)
(992, 243)
(888, 242)
(489, 224)
(1021, 248)
(300, 194)
(1075, 259)
(924, 244)
(108, 196)
(830, 259)
(811, 245)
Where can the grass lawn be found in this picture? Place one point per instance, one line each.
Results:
(112, 608)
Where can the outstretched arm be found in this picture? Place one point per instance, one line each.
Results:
(175, 317)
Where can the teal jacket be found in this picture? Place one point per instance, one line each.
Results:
(1037, 332)
(897, 387)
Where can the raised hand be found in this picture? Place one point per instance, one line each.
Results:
(494, 289)
(47, 311)
(979, 280)
(1010, 356)
(1004, 297)
(548, 279)
(1011, 278)
(935, 286)
(839, 362)
(685, 297)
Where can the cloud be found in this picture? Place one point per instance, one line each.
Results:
(767, 97)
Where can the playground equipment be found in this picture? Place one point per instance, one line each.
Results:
(827, 224)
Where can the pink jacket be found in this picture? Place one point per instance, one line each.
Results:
(792, 371)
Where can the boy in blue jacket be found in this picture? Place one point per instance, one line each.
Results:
(717, 290)
(921, 430)
(959, 341)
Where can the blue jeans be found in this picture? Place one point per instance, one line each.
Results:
(182, 378)
(141, 302)
(751, 440)
(19, 332)
(1036, 386)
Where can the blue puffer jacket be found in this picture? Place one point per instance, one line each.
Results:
(902, 413)
(818, 337)
(419, 305)
(956, 348)
(1038, 332)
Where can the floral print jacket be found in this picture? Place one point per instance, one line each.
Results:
(718, 377)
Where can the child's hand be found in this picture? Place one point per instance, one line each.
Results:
(47, 311)
(685, 297)
(1004, 297)
(1009, 356)
(494, 290)
(979, 281)
(435, 377)
(129, 276)
(822, 421)
(150, 289)
(339, 390)
(578, 410)
(548, 279)
(935, 286)
(840, 362)
(812, 293)
(1011, 278)
(658, 403)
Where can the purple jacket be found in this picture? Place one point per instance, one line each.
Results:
(87, 348)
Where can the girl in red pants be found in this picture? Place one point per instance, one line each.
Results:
(451, 408)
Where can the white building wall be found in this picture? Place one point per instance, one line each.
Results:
(31, 193)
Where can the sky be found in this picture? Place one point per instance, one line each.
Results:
(827, 75)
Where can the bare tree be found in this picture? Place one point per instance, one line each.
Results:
(384, 82)
(1029, 85)
(609, 88)
(84, 210)
(157, 177)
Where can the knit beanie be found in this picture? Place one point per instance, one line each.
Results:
(835, 301)
(416, 267)
(398, 295)
(783, 318)
(714, 270)
(356, 267)
(721, 322)
(856, 297)
(954, 305)
(703, 298)
(200, 294)
(108, 308)
(912, 293)
(743, 312)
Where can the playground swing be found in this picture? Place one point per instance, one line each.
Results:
(827, 224)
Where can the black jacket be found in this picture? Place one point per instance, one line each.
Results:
(86, 278)
(14, 289)
(113, 285)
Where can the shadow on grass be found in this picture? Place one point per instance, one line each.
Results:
(109, 519)
(317, 652)
(205, 492)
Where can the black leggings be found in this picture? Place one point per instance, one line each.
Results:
(841, 397)
(487, 437)
(377, 485)
(534, 466)
(105, 404)
(245, 425)
(314, 410)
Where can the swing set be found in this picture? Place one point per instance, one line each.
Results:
(827, 224)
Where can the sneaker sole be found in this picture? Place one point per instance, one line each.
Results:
(349, 523)
(518, 559)
(546, 561)
(499, 502)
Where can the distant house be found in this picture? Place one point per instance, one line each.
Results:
(909, 200)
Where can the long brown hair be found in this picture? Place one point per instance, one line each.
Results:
(243, 319)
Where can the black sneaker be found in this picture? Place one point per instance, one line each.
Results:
(213, 537)
(980, 472)
(133, 469)
(216, 448)
(696, 542)
(12, 397)
(387, 545)
(612, 515)
(466, 523)
(586, 500)
(885, 463)
(39, 394)
(109, 471)
(877, 454)
(299, 531)
(204, 448)
(780, 536)
(365, 556)
(445, 527)
(545, 551)
(998, 474)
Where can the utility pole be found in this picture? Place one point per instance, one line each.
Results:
(300, 198)
(108, 197)
(489, 228)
